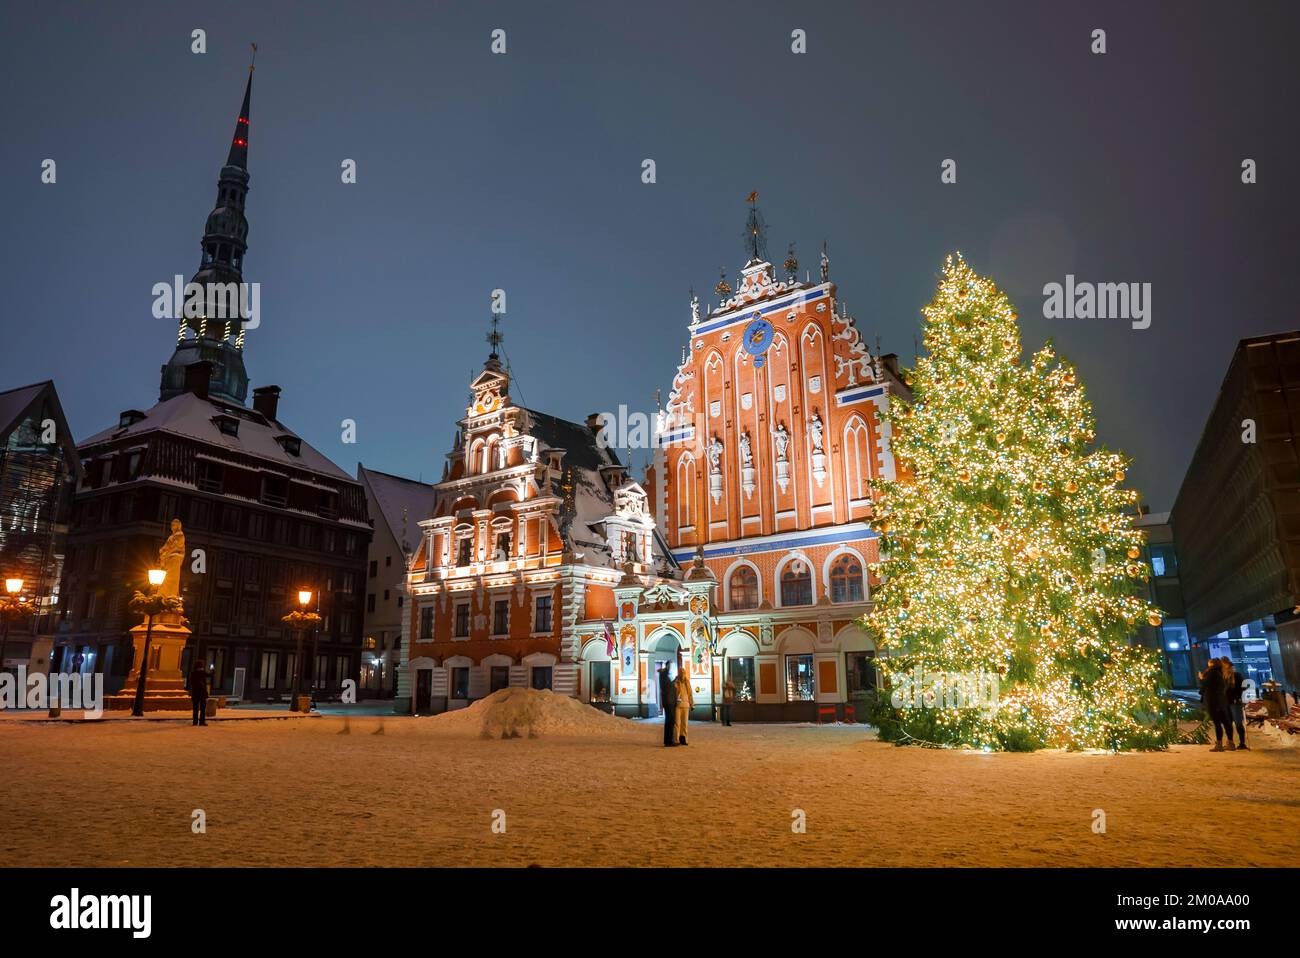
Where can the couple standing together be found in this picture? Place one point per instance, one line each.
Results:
(676, 700)
(1221, 687)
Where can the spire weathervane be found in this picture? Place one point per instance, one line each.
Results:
(755, 230)
(494, 337)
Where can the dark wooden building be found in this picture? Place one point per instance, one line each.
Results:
(265, 515)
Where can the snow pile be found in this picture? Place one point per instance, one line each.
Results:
(528, 713)
(1272, 737)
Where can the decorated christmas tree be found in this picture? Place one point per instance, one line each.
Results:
(1009, 557)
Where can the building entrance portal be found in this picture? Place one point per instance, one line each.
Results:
(662, 656)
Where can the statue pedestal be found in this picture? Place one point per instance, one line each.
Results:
(164, 689)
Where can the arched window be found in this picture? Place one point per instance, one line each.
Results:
(846, 579)
(796, 584)
(744, 589)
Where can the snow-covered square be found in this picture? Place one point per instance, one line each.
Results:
(588, 789)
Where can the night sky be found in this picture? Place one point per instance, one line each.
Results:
(523, 172)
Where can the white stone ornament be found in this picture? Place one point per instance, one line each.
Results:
(818, 453)
(715, 469)
(747, 471)
(780, 444)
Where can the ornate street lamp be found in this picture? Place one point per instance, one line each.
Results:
(299, 620)
(148, 604)
(11, 603)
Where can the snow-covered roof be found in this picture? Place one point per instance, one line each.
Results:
(593, 502)
(402, 504)
(188, 415)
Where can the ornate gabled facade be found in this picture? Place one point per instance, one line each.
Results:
(744, 556)
(534, 525)
(771, 436)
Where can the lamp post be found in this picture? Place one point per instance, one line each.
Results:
(10, 604)
(298, 620)
(150, 604)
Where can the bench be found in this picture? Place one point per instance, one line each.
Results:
(830, 710)
(1255, 713)
(1291, 723)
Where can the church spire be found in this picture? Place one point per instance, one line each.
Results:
(239, 142)
(216, 335)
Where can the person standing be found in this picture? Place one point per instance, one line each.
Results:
(199, 694)
(668, 702)
(728, 696)
(1234, 684)
(684, 702)
(1216, 703)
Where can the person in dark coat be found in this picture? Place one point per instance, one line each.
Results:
(1213, 694)
(1234, 684)
(668, 702)
(199, 694)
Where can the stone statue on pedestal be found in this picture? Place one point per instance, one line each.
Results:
(170, 557)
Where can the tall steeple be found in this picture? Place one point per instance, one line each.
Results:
(216, 334)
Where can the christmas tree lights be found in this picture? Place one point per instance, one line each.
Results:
(1006, 547)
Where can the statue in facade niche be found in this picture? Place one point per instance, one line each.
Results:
(715, 453)
(781, 439)
(746, 452)
(815, 432)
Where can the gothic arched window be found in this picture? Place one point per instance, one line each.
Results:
(796, 584)
(846, 579)
(744, 589)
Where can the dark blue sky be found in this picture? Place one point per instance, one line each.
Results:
(523, 172)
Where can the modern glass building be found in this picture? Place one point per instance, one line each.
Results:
(39, 469)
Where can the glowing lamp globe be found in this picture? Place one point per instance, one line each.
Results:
(13, 586)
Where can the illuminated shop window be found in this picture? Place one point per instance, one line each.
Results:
(799, 686)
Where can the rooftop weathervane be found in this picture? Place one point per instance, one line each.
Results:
(755, 230)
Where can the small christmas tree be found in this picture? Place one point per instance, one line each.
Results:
(1007, 551)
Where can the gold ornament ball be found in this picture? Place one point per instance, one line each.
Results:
(1071, 486)
(1134, 552)
(1119, 475)
(1153, 618)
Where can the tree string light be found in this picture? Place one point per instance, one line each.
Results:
(1008, 547)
